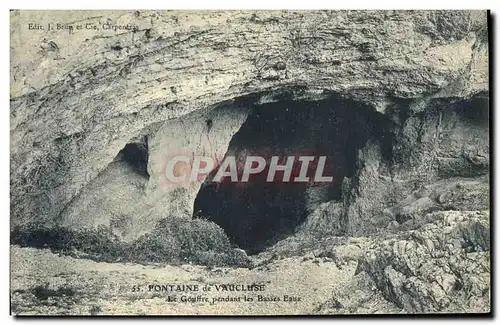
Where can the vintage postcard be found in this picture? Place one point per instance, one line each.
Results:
(323, 162)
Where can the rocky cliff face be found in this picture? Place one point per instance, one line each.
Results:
(400, 99)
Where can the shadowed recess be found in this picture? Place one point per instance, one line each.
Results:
(257, 214)
(136, 155)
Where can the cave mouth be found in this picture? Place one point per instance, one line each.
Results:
(257, 214)
(135, 155)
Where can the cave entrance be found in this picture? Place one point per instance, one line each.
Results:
(135, 155)
(258, 213)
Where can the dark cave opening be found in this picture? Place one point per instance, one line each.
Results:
(257, 214)
(135, 155)
(476, 110)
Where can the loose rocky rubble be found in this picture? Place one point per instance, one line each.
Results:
(410, 232)
(442, 266)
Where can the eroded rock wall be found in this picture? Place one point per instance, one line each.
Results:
(131, 203)
(414, 214)
(76, 104)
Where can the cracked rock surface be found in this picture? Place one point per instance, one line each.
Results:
(408, 230)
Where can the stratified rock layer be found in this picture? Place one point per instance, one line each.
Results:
(75, 105)
(413, 217)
